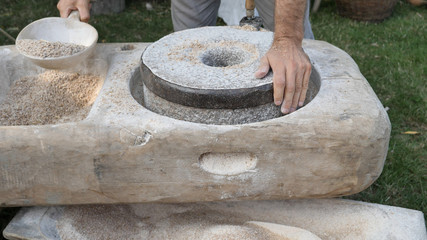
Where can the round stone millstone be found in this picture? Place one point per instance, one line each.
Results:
(210, 67)
(207, 75)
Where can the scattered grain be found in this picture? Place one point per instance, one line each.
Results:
(193, 52)
(48, 98)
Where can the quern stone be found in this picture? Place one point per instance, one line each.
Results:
(207, 76)
(123, 152)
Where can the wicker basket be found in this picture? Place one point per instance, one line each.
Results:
(366, 10)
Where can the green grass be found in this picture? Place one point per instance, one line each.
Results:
(391, 55)
(135, 24)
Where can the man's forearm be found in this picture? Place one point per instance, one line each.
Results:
(289, 20)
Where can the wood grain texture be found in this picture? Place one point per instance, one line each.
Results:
(124, 153)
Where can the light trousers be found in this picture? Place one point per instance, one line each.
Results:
(198, 13)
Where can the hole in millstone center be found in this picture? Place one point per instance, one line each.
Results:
(223, 57)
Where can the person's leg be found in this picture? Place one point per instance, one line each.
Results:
(194, 13)
(266, 11)
(308, 33)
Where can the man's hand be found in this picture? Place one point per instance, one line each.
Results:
(291, 66)
(66, 6)
(291, 73)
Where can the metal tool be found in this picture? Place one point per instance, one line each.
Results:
(67, 30)
(250, 18)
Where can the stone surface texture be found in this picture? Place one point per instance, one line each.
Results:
(124, 153)
(181, 57)
(327, 219)
(206, 75)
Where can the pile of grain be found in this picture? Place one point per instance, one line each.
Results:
(48, 98)
(45, 49)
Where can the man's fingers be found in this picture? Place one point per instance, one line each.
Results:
(291, 72)
(65, 7)
(84, 13)
(279, 82)
(62, 9)
(65, 12)
(305, 81)
(263, 68)
(298, 87)
(289, 89)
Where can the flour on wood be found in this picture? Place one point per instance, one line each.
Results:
(48, 98)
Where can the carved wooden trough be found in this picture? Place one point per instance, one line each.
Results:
(123, 152)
